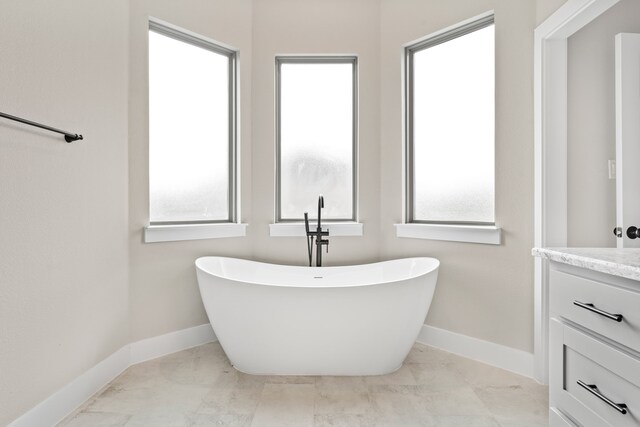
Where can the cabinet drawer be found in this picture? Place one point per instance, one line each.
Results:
(613, 374)
(566, 290)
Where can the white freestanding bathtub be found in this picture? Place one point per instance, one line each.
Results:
(284, 320)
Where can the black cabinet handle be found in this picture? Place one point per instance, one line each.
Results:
(593, 309)
(593, 389)
(617, 231)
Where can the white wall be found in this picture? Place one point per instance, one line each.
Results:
(63, 207)
(544, 9)
(591, 124)
(315, 27)
(75, 273)
(164, 291)
(483, 291)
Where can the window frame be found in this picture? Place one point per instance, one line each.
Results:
(191, 38)
(316, 59)
(409, 51)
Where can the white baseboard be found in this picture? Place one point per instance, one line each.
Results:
(510, 359)
(63, 402)
(172, 342)
(59, 405)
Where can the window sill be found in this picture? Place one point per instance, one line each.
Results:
(487, 234)
(176, 232)
(296, 229)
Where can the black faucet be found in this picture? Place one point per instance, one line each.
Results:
(318, 234)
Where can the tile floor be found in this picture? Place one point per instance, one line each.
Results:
(198, 387)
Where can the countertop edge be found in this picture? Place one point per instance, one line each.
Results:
(588, 261)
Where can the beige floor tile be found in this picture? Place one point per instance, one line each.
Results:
(402, 376)
(342, 402)
(234, 400)
(437, 377)
(168, 397)
(283, 405)
(343, 420)
(142, 375)
(226, 420)
(197, 369)
(120, 400)
(457, 402)
(480, 375)
(427, 355)
(230, 378)
(464, 421)
(165, 417)
(289, 379)
(422, 405)
(341, 383)
(199, 387)
(527, 406)
(98, 419)
(398, 405)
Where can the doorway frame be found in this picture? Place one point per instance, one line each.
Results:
(550, 152)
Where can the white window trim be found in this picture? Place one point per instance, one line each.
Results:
(177, 232)
(325, 59)
(296, 229)
(486, 234)
(472, 232)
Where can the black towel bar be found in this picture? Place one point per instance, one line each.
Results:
(68, 136)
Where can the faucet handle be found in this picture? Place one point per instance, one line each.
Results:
(306, 222)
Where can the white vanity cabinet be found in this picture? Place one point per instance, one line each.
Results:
(594, 344)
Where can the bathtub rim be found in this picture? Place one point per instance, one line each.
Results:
(435, 265)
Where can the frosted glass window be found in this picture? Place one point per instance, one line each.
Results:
(191, 92)
(452, 126)
(316, 137)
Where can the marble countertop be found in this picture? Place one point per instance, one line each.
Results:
(617, 262)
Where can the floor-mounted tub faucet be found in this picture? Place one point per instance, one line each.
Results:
(317, 235)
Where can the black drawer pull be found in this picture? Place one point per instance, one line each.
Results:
(590, 307)
(593, 389)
